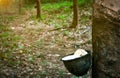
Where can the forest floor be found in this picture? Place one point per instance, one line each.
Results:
(31, 48)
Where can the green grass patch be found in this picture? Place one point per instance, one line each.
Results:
(64, 4)
(56, 6)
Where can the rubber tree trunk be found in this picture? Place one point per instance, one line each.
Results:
(20, 6)
(106, 39)
(75, 14)
(26, 1)
(38, 2)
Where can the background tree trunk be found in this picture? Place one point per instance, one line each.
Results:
(20, 6)
(75, 14)
(38, 8)
(106, 39)
(27, 1)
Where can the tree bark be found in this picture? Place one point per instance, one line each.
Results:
(38, 8)
(75, 14)
(106, 39)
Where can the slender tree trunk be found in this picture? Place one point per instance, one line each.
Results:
(38, 8)
(20, 6)
(106, 39)
(26, 1)
(75, 14)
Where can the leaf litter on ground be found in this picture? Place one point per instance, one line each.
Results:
(38, 51)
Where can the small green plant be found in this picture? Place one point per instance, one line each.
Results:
(44, 63)
(60, 73)
(20, 46)
(61, 17)
(31, 58)
(42, 56)
(58, 39)
(57, 25)
(32, 17)
(13, 63)
(66, 32)
(43, 17)
(38, 76)
(44, 73)
(41, 74)
(39, 43)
